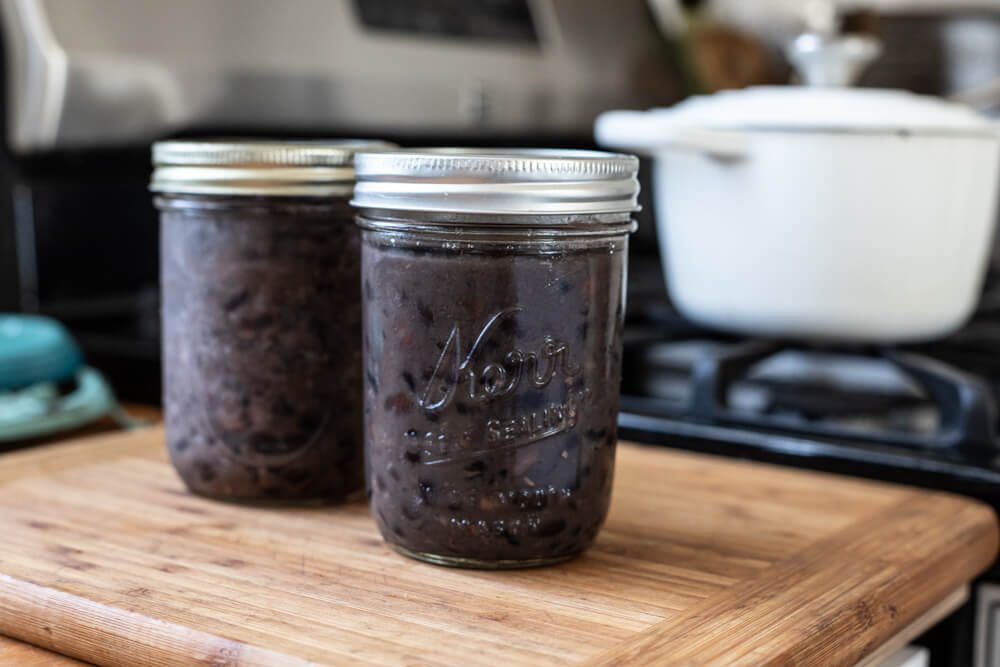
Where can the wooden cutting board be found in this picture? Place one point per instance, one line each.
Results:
(13, 652)
(105, 557)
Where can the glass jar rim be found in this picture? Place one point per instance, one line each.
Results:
(473, 226)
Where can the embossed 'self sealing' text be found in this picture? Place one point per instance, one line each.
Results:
(484, 383)
(507, 434)
(534, 426)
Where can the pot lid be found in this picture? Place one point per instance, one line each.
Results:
(793, 108)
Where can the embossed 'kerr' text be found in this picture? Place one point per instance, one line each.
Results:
(461, 374)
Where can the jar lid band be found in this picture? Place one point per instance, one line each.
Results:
(487, 181)
(257, 167)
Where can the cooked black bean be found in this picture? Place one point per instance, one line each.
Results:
(408, 379)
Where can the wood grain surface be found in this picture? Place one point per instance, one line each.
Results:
(105, 557)
(13, 652)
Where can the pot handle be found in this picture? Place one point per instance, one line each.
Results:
(649, 133)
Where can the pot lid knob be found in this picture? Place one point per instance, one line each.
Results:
(824, 58)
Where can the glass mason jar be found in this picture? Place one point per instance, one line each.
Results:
(493, 290)
(261, 317)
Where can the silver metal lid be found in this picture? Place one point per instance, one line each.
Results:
(497, 181)
(257, 167)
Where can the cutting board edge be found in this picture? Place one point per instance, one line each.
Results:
(96, 633)
(647, 647)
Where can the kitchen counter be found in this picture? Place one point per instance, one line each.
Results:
(703, 560)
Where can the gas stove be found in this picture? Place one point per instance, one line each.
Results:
(896, 415)
(919, 415)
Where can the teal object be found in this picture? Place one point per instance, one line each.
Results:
(35, 349)
(41, 410)
(36, 354)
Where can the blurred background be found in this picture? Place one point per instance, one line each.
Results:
(88, 84)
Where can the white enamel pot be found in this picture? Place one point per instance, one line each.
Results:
(820, 214)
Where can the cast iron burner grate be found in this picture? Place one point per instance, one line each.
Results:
(925, 405)
(967, 409)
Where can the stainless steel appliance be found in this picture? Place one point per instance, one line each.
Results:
(94, 73)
